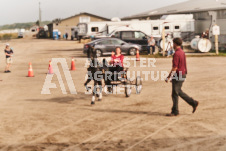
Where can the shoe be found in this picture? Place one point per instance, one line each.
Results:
(172, 114)
(195, 107)
(8, 71)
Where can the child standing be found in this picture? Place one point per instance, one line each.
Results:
(9, 61)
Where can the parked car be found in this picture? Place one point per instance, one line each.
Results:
(105, 46)
(130, 36)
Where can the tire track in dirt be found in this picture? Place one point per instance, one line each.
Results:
(164, 127)
(54, 132)
(120, 128)
(156, 132)
(117, 128)
(104, 132)
(196, 141)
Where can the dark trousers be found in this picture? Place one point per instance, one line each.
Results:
(176, 92)
(153, 49)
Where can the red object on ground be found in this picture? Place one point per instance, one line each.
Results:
(138, 56)
(50, 70)
(73, 64)
(30, 71)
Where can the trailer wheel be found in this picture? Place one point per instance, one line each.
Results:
(98, 53)
(138, 85)
(128, 89)
(132, 51)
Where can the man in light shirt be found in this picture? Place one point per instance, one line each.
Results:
(151, 44)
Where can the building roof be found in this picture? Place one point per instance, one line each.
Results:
(189, 6)
(88, 14)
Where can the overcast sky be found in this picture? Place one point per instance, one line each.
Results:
(14, 11)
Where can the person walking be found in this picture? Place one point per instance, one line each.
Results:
(9, 61)
(66, 35)
(178, 76)
(151, 44)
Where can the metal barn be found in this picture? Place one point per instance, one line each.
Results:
(206, 14)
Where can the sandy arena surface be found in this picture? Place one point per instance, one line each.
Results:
(30, 121)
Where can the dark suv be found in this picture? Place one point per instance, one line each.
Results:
(130, 36)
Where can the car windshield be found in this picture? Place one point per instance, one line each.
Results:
(139, 35)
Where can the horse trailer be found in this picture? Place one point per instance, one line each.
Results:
(176, 25)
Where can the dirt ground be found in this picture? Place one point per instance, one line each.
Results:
(31, 121)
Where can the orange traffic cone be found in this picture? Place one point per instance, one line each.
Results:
(138, 56)
(50, 70)
(73, 65)
(30, 71)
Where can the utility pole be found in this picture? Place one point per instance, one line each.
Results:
(163, 42)
(216, 32)
(40, 15)
(163, 39)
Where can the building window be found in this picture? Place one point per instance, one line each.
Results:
(155, 28)
(167, 27)
(95, 29)
(177, 27)
(84, 19)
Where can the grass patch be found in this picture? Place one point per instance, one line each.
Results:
(8, 36)
(222, 54)
(144, 55)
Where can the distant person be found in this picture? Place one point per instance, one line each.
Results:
(178, 75)
(151, 44)
(90, 52)
(205, 34)
(66, 35)
(9, 61)
(59, 34)
(170, 51)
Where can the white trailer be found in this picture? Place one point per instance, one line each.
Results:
(104, 28)
(176, 25)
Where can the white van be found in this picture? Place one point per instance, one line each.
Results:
(21, 33)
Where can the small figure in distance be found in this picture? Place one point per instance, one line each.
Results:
(151, 44)
(66, 35)
(170, 51)
(9, 61)
(205, 34)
